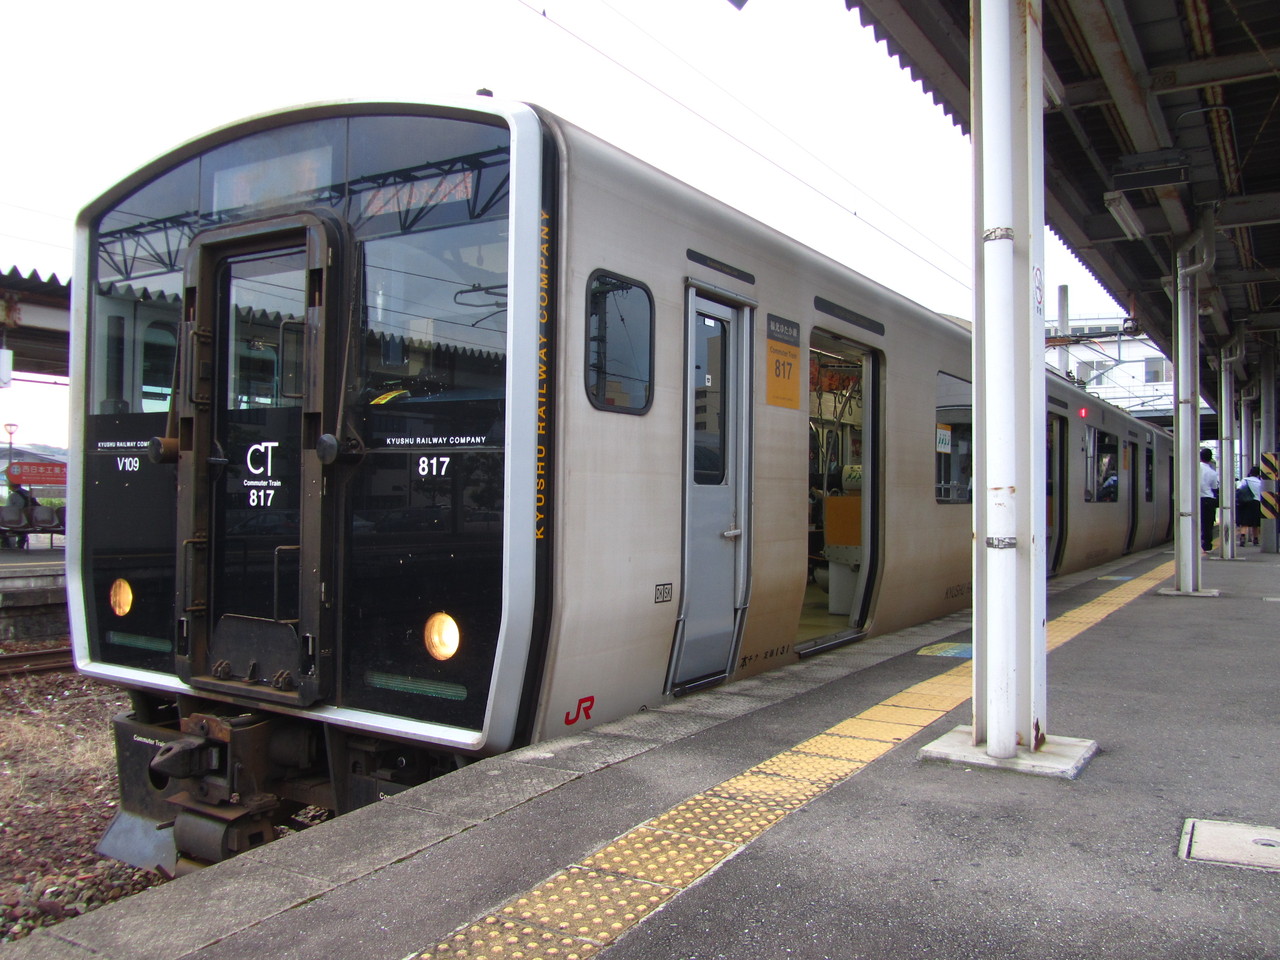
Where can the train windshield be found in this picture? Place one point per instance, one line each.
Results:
(311, 321)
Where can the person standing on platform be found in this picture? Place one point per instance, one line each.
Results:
(1209, 483)
(1249, 507)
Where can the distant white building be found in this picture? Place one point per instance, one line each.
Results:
(1124, 369)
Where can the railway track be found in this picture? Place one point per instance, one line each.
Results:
(35, 661)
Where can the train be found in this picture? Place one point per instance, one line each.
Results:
(410, 433)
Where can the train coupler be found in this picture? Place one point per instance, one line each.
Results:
(185, 757)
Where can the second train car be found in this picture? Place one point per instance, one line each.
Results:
(410, 433)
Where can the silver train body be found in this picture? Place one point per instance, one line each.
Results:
(413, 433)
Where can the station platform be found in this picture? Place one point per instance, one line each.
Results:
(791, 815)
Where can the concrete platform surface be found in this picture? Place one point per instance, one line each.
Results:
(793, 816)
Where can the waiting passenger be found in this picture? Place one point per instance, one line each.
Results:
(1209, 483)
(1249, 506)
(21, 498)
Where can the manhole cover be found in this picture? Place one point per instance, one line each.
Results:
(1232, 844)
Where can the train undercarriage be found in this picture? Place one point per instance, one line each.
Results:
(202, 781)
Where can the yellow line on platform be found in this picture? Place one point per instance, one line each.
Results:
(584, 908)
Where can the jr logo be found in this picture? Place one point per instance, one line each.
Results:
(260, 449)
(584, 711)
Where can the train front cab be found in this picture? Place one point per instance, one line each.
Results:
(307, 346)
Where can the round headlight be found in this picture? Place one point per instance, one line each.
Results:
(121, 597)
(441, 636)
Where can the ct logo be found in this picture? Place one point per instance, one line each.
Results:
(264, 449)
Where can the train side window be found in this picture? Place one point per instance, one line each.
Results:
(619, 344)
(953, 444)
(1150, 475)
(159, 353)
(135, 348)
(1102, 461)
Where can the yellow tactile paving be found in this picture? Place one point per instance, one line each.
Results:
(943, 685)
(907, 715)
(875, 729)
(718, 818)
(847, 748)
(938, 701)
(808, 766)
(583, 909)
(781, 792)
(667, 858)
(495, 938)
(588, 904)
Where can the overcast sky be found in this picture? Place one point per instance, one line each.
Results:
(787, 110)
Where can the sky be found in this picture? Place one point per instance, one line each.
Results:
(787, 110)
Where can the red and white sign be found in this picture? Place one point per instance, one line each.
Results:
(34, 474)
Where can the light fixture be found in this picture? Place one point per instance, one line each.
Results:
(1127, 217)
(1157, 168)
(441, 637)
(121, 597)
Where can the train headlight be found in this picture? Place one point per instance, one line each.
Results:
(121, 597)
(440, 636)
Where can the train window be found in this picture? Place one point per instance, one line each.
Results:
(135, 347)
(159, 353)
(433, 365)
(1102, 462)
(619, 344)
(266, 294)
(1150, 475)
(835, 416)
(709, 437)
(953, 443)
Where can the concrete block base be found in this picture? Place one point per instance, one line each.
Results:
(1059, 757)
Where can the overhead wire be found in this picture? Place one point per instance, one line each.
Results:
(964, 282)
(65, 247)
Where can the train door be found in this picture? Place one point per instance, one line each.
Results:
(1055, 437)
(1135, 492)
(841, 487)
(249, 521)
(716, 518)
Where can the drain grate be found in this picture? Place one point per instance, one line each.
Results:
(1231, 844)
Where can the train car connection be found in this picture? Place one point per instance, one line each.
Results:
(411, 433)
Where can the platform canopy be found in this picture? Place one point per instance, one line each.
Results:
(1153, 110)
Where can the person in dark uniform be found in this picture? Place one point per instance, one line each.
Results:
(22, 498)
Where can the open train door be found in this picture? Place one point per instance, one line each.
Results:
(716, 495)
(260, 305)
(1131, 464)
(1055, 492)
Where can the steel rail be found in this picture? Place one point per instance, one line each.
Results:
(35, 661)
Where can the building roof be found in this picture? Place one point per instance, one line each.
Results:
(37, 347)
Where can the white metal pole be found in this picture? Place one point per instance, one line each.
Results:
(999, 539)
(1227, 448)
(1248, 447)
(1267, 432)
(1186, 423)
(1009, 376)
(1185, 538)
(1064, 330)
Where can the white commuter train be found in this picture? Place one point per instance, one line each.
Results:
(411, 433)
